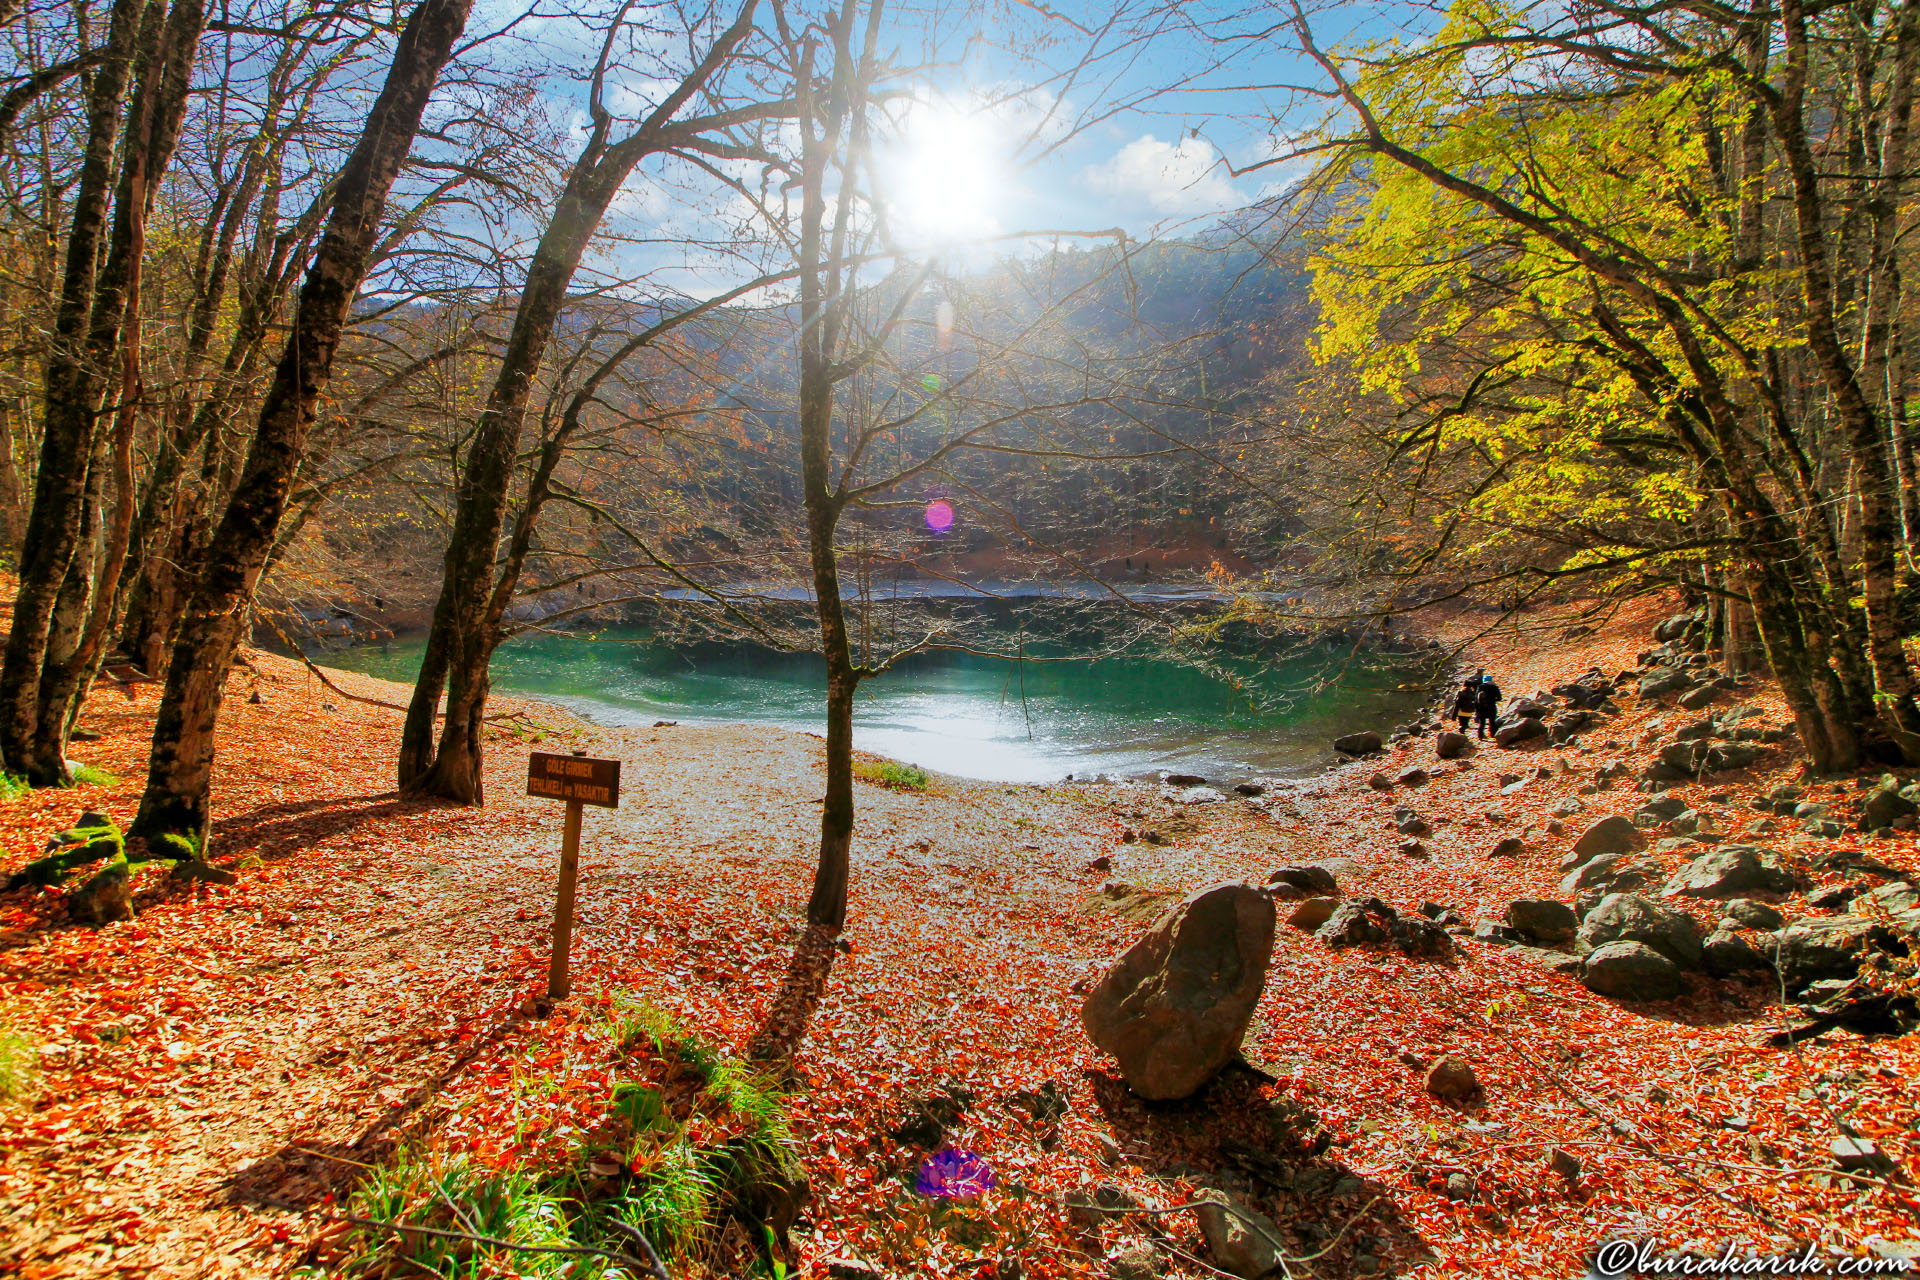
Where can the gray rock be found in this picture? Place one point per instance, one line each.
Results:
(106, 897)
(1631, 971)
(1412, 849)
(1309, 915)
(1892, 898)
(1660, 809)
(1451, 1079)
(1822, 829)
(1694, 699)
(1814, 950)
(1450, 745)
(1628, 917)
(1380, 782)
(1859, 1154)
(1510, 847)
(1695, 731)
(1745, 913)
(1358, 922)
(1363, 743)
(1315, 881)
(1730, 872)
(1421, 938)
(1614, 872)
(1525, 729)
(1673, 628)
(1415, 777)
(1613, 834)
(1493, 934)
(1883, 806)
(1664, 681)
(1243, 1242)
(1542, 921)
(1409, 822)
(1566, 808)
(1175, 1006)
(1727, 954)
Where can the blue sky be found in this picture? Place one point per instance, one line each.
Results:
(1003, 136)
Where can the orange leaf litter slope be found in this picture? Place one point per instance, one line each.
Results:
(363, 985)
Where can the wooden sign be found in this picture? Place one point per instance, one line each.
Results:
(581, 779)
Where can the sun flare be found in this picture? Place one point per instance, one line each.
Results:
(944, 180)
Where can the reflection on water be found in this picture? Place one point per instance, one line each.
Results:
(963, 714)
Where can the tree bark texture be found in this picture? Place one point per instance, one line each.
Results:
(179, 771)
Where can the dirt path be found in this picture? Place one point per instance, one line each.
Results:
(364, 986)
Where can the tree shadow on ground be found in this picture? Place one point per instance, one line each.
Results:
(774, 1043)
(269, 832)
(308, 1175)
(1270, 1153)
(273, 831)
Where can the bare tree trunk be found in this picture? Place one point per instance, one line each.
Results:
(467, 614)
(53, 522)
(180, 766)
(1871, 470)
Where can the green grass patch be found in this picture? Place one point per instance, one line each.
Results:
(90, 776)
(891, 773)
(19, 1067)
(13, 787)
(688, 1141)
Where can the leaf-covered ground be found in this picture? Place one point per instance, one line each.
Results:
(212, 1076)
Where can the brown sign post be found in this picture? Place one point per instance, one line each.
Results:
(579, 780)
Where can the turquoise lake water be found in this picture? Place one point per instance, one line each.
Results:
(963, 714)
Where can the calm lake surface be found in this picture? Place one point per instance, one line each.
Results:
(960, 714)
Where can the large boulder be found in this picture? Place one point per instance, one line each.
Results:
(1525, 729)
(1545, 922)
(1450, 745)
(1363, 743)
(1628, 917)
(1615, 834)
(1174, 1007)
(1832, 948)
(1630, 970)
(1730, 872)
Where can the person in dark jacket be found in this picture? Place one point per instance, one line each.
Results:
(1466, 703)
(1487, 707)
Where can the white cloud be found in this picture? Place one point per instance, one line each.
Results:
(1169, 178)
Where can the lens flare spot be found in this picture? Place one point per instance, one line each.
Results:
(940, 515)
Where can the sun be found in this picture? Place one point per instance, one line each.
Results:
(943, 179)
